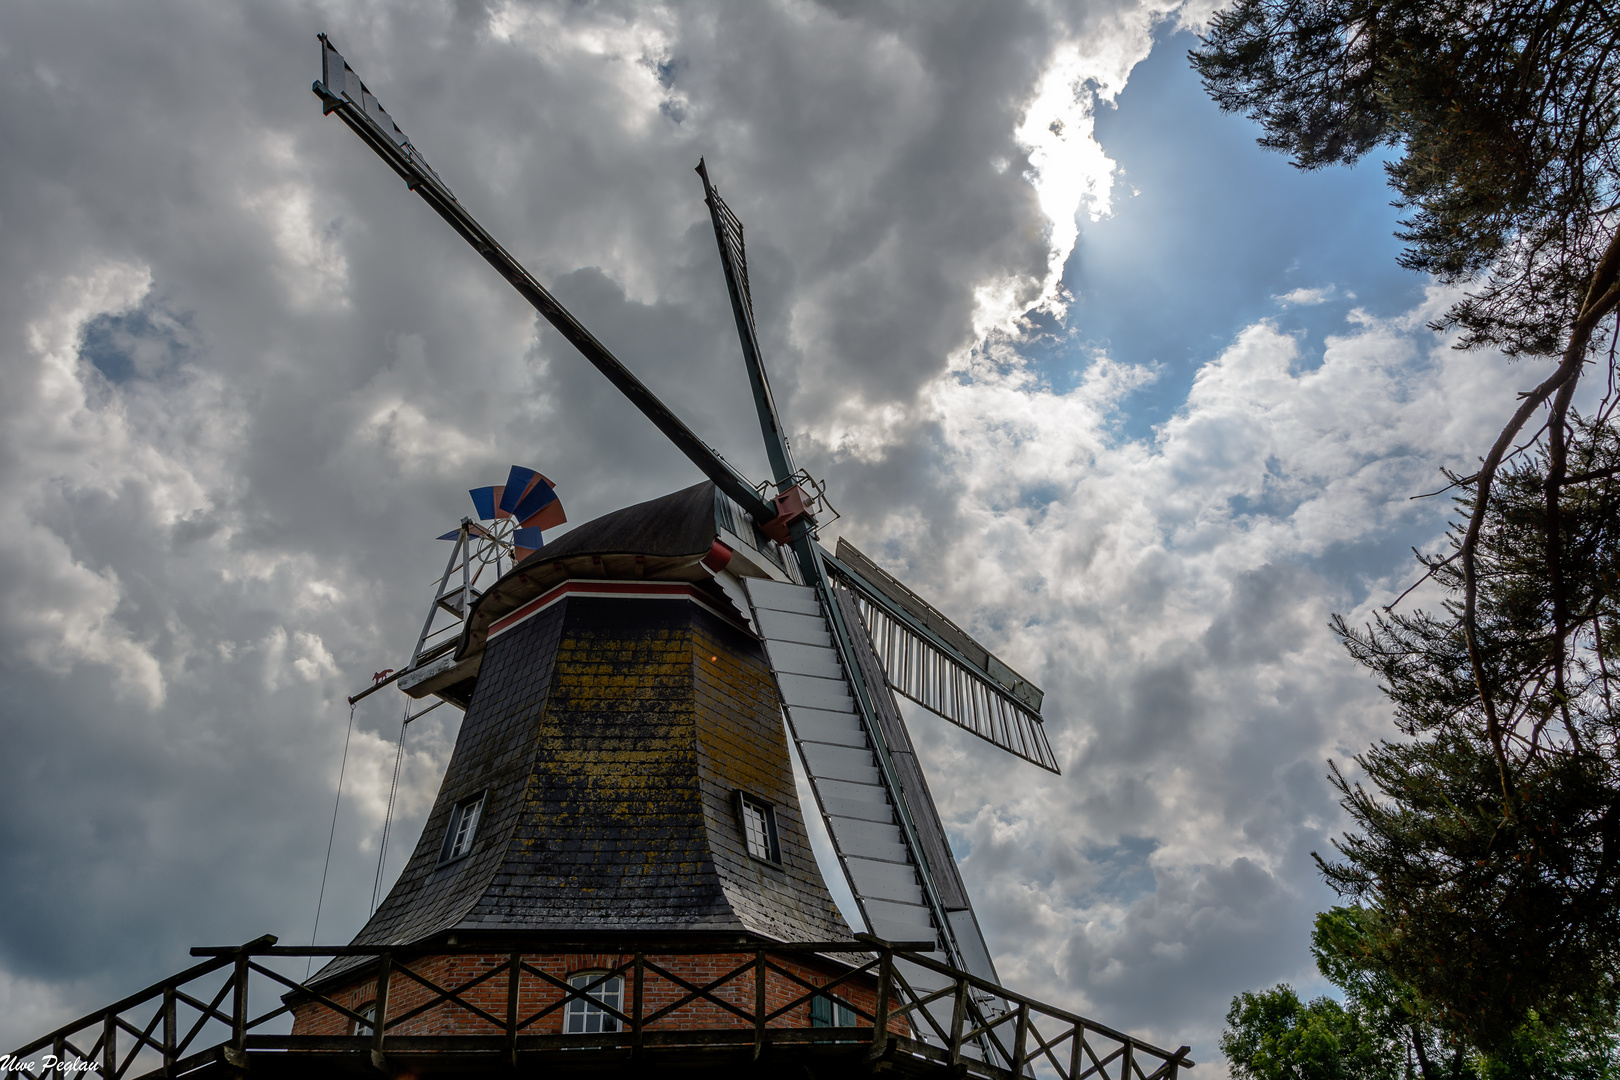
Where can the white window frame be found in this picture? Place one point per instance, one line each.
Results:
(583, 1016)
(462, 830)
(757, 819)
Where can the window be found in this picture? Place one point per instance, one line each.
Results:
(369, 1011)
(759, 828)
(825, 1012)
(584, 1016)
(458, 838)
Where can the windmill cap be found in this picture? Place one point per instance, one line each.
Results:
(677, 525)
(666, 538)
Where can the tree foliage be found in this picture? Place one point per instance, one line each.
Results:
(1538, 1050)
(1492, 916)
(1503, 115)
(1345, 946)
(1489, 837)
(1273, 1035)
(1381, 1030)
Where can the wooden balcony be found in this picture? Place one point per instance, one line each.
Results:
(233, 1015)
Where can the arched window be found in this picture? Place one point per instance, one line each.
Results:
(369, 1012)
(584, 1016)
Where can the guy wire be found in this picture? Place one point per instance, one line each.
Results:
(388, 816)
(343, 768)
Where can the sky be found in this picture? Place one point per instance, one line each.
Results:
(1138, 404)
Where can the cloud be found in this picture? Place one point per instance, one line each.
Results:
(1068, 168)
(1303, 297)
(1172, 596)
(61, 606)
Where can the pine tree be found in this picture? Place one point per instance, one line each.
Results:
(1489, 837)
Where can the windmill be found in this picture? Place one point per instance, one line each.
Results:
(841, 634)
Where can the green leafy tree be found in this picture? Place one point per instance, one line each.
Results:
(1538, 1051)
(1382, 1030)
(1273, 1035)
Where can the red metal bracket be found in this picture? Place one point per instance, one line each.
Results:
(791, 505)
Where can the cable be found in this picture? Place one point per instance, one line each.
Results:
(388, 817)
(329, 838)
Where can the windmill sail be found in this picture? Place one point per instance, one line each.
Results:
(390, 144)
(932, 661)
(894, 879)
(728, 233)
(342, 82)
(879, 814)
(842, 764)
(733, 249)
(851, 738)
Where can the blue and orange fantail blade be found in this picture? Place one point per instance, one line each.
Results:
(528, 539)
(484, 500)
(518, 483)
(537, 499)
(548, 516)
(526, 497)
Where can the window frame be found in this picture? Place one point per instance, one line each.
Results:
(590, 1007)
(744, 801)
(826, 1012)
(448, 852)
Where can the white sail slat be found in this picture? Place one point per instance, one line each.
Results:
(839, 760)
(937, 682)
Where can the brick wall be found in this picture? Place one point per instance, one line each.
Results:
(534, 994)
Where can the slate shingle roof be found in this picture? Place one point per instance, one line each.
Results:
(611, 736)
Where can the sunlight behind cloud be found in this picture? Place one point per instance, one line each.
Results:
(1069, 169)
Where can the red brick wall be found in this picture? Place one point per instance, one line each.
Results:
(451, 971)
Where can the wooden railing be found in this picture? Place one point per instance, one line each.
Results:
(234, 1007)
